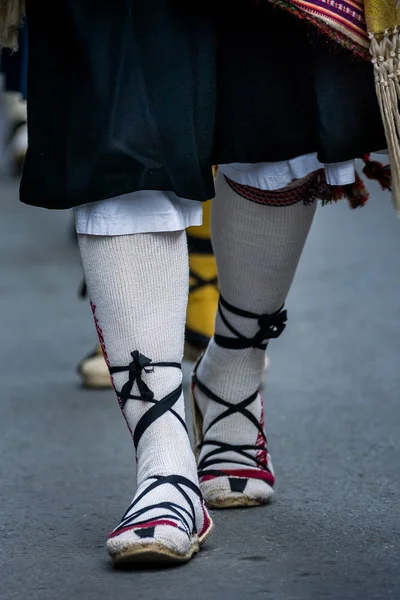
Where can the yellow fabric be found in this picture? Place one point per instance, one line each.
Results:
(203, 231)
(381, 15)
(203, 302)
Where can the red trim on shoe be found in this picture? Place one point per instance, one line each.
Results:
(262, 453)
(207, 520)
(242, 473)
(143, 526)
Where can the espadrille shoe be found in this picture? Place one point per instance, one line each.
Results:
(172, 535)
(93, 371)
(235, 468)
(167, 520)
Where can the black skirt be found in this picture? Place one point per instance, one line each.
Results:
(151, 93)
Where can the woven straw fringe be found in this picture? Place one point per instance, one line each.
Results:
(12, 13)
(385, 51)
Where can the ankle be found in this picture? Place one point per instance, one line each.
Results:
(230, 374)
(163, 463)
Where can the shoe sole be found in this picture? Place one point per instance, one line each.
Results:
(155, 553)
(242, 502)
(152, 554)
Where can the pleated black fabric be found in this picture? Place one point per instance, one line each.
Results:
(148, 94)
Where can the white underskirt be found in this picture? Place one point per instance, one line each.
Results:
(138, 212)
(155, 211)
(277, 175)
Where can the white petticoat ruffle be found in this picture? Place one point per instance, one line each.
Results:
(155, 211)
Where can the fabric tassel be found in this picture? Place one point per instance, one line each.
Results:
(12, 13)
(355, 193)
(385, 52)
(378, 171)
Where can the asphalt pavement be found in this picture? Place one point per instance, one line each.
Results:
(333, 421)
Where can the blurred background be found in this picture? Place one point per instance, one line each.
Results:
(332, 414)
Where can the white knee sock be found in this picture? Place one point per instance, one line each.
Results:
(257, 248)
(138, 287)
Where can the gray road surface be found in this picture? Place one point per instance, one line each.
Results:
(333, 414)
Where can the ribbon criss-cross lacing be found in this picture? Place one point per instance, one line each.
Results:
(185, 519)
(271, 326)
(244, 451)
(202, 247)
